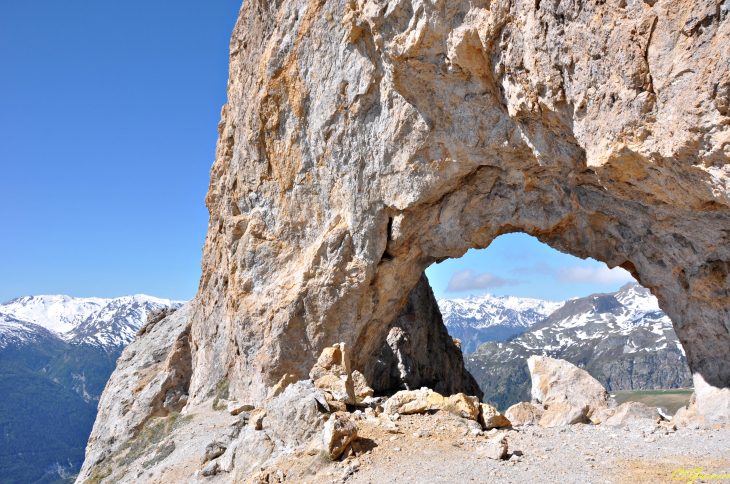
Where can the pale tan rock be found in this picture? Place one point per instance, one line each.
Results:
(316, 446)
(490, 418)
(338, 432)
(713, 404)
(281, 385)
(463, 406)
(362, 390)
(261, 477)
(414, 401)
(336, 406)
(235, 408)
(563, 413)
(256, 419)
(628, 413)
(524, 413)
(343, 170)
(495, 448)
(332, 374)
(560, 385)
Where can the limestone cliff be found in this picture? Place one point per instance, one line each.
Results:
(363, 141)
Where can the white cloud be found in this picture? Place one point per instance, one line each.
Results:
(593, 275)
(466, 281)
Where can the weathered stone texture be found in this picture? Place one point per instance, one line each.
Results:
(364, 141)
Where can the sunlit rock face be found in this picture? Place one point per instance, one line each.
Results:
(364, 141)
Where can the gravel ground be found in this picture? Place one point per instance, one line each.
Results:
(582, 454)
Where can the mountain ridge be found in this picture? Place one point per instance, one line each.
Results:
(486, 317)
(102, 322)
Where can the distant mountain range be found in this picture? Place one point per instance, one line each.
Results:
(623, 339)
(102, 323)
(56, 355)
(478, 319)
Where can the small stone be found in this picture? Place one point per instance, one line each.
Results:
(495, 448)
(338, 432)
(256, 419)
(422, 433)
(211, 469)
(212, 450)
(234, 408)
(351, 469)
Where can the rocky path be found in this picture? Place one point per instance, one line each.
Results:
(448, 454)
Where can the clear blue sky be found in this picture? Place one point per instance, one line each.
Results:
(108, 115)
(108, 124)
(520, 265)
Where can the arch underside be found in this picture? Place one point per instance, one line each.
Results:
(362, 144)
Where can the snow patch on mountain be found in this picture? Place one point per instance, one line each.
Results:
(92, 321)
(489, 310)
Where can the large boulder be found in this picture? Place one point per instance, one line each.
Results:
(559, 414)
(490, 418)
(463, 406)
(629, 414)
(296, 415)
(414, 401)
(708, 406)
(524, 413)
(569, 394)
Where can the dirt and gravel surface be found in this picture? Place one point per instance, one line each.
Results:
(441, 448)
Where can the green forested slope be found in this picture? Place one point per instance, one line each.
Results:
(48, 396)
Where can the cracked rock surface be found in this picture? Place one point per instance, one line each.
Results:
(364, 140)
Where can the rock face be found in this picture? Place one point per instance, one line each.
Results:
(568, 394)
(332, 374)
(418, 350)
(151, 380)
(363, 141)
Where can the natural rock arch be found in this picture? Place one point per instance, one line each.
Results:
(365, 140)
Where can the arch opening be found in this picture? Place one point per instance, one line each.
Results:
(519, 298)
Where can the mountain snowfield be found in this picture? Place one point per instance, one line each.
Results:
(93, 321)
(478, 319)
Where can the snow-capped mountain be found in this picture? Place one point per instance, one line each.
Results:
(623, 339)
(478, 319)
(15, 331)
(92, 321)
